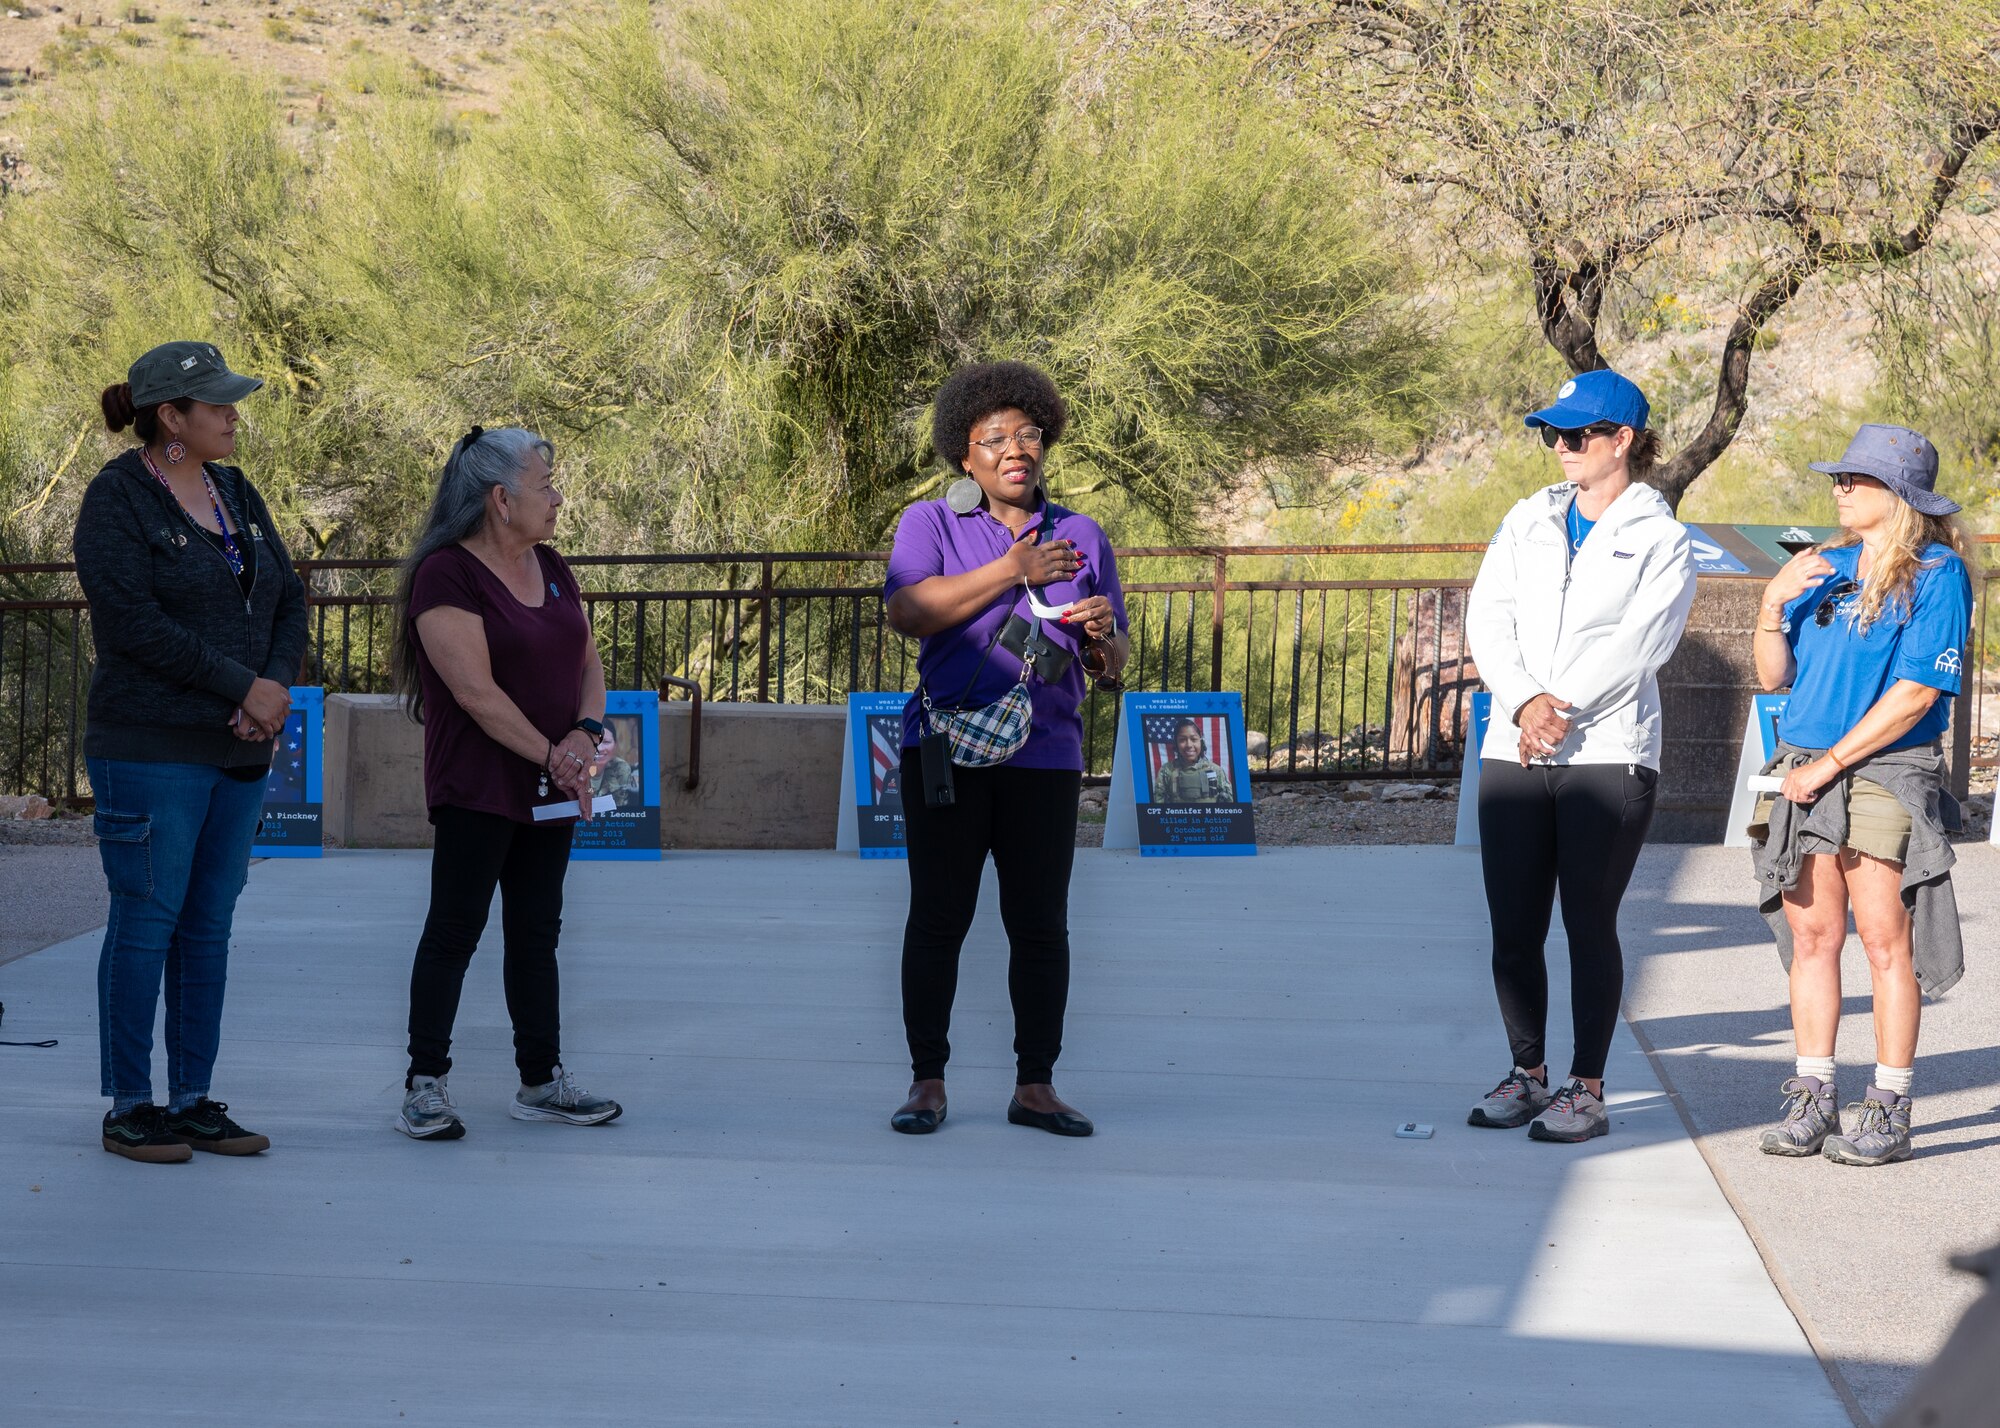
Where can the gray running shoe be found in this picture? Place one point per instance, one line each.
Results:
(428, 1113)
(1573, 1115)
(563, 1100)
(1512, 1103)
(1811, 1115)
(1881, 1131)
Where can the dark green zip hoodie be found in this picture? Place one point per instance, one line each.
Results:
(178, 643)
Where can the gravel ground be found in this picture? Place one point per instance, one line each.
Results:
(1298, 815)
(52, 888)
(70, 831)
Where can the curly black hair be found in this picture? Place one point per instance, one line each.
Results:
(972, 393)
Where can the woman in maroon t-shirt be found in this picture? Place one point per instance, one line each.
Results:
(494, 657)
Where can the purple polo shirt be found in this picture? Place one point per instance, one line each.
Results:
(932, 539)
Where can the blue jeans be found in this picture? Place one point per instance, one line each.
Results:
(175, 840)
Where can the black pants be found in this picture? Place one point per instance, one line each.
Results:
(474, 852)
(1026, 818)
(1578, 830)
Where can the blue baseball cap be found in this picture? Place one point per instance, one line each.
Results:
(1592, 397)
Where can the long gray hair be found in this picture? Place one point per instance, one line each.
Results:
(479, 461)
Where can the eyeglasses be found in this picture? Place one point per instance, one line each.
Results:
(1829, 607)
(1030, 438)
(1843, 481)
(1575, 438)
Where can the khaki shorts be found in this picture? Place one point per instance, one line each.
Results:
(1877, 822)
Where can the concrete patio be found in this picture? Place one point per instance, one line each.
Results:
(1244, 1241)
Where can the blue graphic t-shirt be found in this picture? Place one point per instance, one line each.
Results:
(1579, 528)
(1843, 671)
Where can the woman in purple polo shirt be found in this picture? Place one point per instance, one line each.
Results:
(494, 656)
(961, 567)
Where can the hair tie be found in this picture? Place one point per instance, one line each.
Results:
(471, 436)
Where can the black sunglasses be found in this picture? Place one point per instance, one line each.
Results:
(1843, 481)
(1575, 438)
(1823, 616)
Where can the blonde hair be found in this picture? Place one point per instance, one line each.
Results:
(1892, 582)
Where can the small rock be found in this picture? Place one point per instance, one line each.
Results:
(1359, 792)
(1404, 792)
(24, 805)
(1256, 745)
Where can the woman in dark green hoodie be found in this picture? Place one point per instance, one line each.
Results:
(199, 623)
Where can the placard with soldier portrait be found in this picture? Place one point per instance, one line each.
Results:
(872, 793)
(292, 825)
(1190, 774)
(630, 778)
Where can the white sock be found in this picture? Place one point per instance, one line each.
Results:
(1820, 1066)
(1894, 1078)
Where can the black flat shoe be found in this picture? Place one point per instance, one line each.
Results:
(918, 1122)
(1054, 1122)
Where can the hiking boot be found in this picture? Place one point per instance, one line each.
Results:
(1881, 1131)
(141, 1134)
(206, 1126)
(1811, 1115)
(1514, 1102)
(1573, 1114)
(428, 1113)
(563, 1100)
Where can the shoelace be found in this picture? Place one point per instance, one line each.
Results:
(565, 1092)
(1874, 1117)
(216, 1110)
(1795, 1103)
(433, 1100)
(1565, 1100)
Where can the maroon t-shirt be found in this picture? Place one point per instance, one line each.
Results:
(538, 656)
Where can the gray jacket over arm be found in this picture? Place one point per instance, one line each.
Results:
(1916, 777)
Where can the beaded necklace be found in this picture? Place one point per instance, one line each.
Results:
(230, 551)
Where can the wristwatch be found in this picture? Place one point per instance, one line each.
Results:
(590, 727)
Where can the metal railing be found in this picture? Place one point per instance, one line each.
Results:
(1345, 671)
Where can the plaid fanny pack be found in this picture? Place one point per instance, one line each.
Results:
(985, 734)
(990, 734)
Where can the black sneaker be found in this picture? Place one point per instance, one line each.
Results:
(206, 1126)
(141, 1134)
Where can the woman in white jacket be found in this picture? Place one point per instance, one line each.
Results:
(1582, 596)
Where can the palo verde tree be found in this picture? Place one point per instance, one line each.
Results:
(1754, 144)
(807, 212)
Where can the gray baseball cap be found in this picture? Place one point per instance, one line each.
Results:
(1900, 459)
(187, 369)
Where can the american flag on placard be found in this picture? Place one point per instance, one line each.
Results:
(1159, 732)
(885, 738)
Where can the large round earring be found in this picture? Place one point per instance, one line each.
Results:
(962, 495)
(175, 453)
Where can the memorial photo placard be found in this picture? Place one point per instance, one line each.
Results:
(872, 795)
(1760, 746)
(630, 832)
(291, 824)
(1190, 775)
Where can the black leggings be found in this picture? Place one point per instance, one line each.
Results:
(1579, 829)
(1026, 818)
(475, 852)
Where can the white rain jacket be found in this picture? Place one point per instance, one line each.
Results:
(1593, 630)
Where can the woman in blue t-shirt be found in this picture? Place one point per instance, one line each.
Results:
(1870, 633)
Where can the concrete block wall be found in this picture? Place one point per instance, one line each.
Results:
(770, 775)
(1705, 693)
